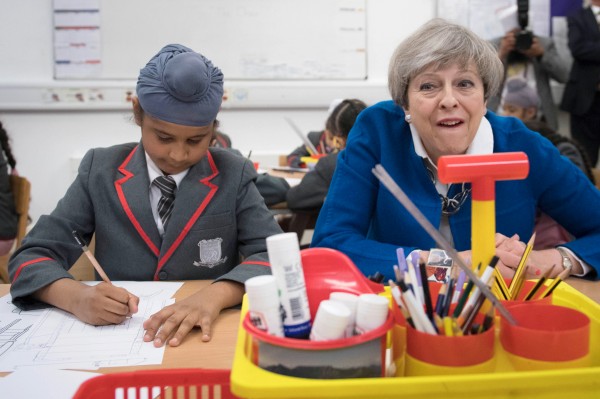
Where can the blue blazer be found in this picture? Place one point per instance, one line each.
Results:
(362, 219)
(217, 229)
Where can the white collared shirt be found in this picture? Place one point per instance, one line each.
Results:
(153, 173)
(483, 143)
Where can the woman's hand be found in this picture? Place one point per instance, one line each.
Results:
(174, 322)
(539, 262)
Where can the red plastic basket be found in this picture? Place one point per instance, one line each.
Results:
(168, 383)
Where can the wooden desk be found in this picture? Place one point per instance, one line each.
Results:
(216, 354)
(219, 352)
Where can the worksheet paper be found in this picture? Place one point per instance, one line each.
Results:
(49, 384)
(54, 338)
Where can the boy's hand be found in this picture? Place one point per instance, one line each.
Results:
(174, 322)
(100, 304)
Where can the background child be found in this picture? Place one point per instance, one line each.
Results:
(8, 214)
(312, 190)
(520, 100)
(216, 220)
(321, 140)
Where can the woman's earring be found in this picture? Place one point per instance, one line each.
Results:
(407, 118)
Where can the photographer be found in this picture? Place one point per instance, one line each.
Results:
(582, 93)
(535, 59)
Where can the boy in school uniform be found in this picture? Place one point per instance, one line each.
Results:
(214, 228)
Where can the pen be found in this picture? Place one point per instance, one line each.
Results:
(395, 290)
(426, 293)
(91, 257)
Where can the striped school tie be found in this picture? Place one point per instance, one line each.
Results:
(167, 187)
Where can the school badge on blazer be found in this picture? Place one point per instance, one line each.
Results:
(210, 253)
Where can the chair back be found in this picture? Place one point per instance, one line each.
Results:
(21, 189)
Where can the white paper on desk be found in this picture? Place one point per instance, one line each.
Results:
(43, 383)
(55, 338)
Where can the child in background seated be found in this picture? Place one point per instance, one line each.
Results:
(214, 228)
(8, 214)
(312, 190)
(520, 101)
(321, 140)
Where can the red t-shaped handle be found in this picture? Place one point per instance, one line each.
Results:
(482, 171)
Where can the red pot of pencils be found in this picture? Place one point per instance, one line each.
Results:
(452, 338)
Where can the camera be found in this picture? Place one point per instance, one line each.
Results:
(524, 38)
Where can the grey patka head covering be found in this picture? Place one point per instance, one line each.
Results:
(180, 86)
(519, 93)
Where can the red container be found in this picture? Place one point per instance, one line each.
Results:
(171, 383)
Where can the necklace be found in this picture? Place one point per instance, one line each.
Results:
(451, 206)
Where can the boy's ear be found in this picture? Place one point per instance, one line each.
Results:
(137, 111)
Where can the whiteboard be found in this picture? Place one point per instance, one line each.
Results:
(247, 39)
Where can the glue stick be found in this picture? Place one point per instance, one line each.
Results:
(371, 312)
(330, 322)
(263, 304)
(286, 266)
(350, 301)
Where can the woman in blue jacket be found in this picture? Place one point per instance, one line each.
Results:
(440, 79)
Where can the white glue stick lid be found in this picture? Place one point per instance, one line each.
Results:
(371, 312)
(283, 248)
(330, 321)
(348, 299)
(262, 291)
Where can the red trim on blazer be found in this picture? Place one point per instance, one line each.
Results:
(256, 263)
(125, 205)
(31, 262)
(195, 216)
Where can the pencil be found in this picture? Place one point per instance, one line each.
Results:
(564, 274)
(519, 273)
(309, 146)
(539, 283)
(91, 257)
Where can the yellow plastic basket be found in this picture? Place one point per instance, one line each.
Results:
(250, 381)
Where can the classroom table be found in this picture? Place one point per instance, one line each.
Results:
(219, 352)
